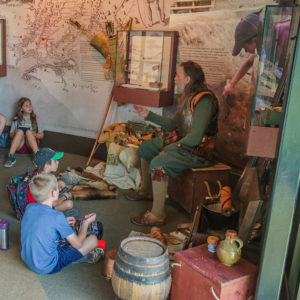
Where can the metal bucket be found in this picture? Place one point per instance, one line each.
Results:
(218, 221)
(141, 270)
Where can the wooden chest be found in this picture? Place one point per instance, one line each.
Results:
(201, 276)
(188, 189)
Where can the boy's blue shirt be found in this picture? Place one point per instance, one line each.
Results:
(41, 228)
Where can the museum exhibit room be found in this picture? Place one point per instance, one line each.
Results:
(149, 149)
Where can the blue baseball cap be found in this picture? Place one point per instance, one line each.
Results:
(44, 155)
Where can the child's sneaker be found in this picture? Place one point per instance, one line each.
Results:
(10, 161)
(92, 257)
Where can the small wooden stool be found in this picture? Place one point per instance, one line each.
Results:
(188, 189)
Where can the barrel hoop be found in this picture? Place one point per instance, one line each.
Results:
(146, 269)
(139, 279)
(143, 260)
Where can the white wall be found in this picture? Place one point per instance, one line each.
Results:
(51, 62)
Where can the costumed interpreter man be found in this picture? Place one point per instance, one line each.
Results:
(195, 120)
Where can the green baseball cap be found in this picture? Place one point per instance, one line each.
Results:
(44, 155)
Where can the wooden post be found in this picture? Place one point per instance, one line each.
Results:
(101, 127)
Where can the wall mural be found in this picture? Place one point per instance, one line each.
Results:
(208, 38)
(51, 62)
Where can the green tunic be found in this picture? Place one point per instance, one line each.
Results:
(177, 159)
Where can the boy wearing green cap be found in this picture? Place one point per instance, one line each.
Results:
(47, 161)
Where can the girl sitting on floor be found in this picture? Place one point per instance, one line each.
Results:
(24, 132)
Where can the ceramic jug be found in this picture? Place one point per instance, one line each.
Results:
(229, 250)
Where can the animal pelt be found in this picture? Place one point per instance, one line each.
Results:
(89, 175)
(76, 178)
(94, 173)
(92, 194)
(99, 185)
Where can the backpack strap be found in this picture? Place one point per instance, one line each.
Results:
(198, 97)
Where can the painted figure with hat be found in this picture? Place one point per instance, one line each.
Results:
(247, 36)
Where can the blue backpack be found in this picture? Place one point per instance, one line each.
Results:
(17, 192)
(4, 140)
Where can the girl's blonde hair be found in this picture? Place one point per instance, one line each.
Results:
(20, 113)
(42, 185)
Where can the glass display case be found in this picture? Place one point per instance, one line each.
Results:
(271, 80)
(145, 67)
(2, 48)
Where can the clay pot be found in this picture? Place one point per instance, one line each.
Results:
(108, 264)
(212, 242)
(229, 250)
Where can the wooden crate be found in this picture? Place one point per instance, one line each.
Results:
(200, 275)
(188, 189)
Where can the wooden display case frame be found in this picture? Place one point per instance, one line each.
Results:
(146, 97)
(263, 138)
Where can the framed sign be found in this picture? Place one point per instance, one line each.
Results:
(2, 48)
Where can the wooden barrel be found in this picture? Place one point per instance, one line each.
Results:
(141, 270)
